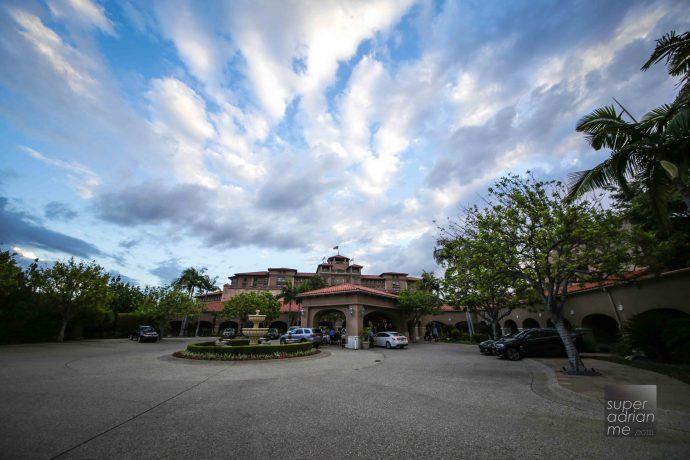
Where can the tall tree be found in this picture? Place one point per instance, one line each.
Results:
(489, 289)
(122, 298)
(191, 279)
(290, 293)
(72, 287)
(652, 151)
(551, 243)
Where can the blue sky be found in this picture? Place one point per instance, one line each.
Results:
(236, 136)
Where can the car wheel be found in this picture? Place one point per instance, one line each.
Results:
(302, 340)
(388, 345)
(282, 341)
(513, 354)
(139, 339)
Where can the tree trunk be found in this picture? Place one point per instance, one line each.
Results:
(183, 326)
(494, 329)
(198, 323)
(61, 334)
(574, 361)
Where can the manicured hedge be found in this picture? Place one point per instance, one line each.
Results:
(238, 342)
(211, 347)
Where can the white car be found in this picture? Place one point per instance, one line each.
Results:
(390, 339)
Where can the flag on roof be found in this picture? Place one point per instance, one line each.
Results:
(336, 247)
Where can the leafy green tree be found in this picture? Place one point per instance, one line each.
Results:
(246, 303)
(71, 288)
(550, 243)
(165, 304)
(653, 151)
(475, 276)
(122, 298)
(416, 303)
(12, 282)
(653, 245)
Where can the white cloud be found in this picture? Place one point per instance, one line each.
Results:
(65, 60)
(81, 178)
(82, 13)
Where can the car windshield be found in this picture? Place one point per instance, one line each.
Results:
(147, 329)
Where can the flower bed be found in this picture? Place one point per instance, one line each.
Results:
(211, 351)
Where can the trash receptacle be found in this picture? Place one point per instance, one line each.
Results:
(353, 342)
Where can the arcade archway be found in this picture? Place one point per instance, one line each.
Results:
(605, 331)
(510, 326)
(530, 323)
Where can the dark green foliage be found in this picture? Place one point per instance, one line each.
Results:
(237, 342)
(210, 347)
(661, 335)
(659, 247)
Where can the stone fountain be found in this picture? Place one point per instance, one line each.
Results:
(255, 332)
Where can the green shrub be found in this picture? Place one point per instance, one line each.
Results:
(660, 335)
(455, 334)
(212, 348)
(237, 342)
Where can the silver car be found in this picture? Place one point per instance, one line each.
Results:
(390, 339)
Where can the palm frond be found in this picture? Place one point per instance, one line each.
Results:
(600, 176)
(676, 50)
(604, 128)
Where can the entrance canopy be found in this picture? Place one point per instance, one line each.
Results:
(355, 302)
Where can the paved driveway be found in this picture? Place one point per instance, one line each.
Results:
(120, 399)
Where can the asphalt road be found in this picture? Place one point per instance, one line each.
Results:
(120, 399)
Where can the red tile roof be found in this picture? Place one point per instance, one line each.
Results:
(342, 288)
(576, 287)
(289, 307)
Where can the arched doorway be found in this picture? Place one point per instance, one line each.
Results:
(331, 319)
(175, 328)
(604, 331)
(280, 325)
(530, 323)
(510, 326)
(380, 321)
(205, 328)
(226, 324)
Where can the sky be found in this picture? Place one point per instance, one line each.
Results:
(241, 135)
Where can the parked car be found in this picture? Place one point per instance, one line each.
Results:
(534, 342)
(229, 333)
(273, 334)
(487, 346)
(303, 334)
(144, 334)
(390, 339)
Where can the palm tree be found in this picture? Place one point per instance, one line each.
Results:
(653, 151)
(190, 280)
(290, 293)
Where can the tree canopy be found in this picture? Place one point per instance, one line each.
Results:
(246, 303)
(545, 241)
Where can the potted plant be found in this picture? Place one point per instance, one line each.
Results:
(364, 337)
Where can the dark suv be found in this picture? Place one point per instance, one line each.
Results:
(303, 334)
(534, 342)
(144, 334)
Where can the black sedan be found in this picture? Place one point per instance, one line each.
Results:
(533, 342)
(144, 334)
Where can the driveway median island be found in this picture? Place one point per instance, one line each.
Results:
(211, 351)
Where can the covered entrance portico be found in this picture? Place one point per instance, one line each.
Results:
(359, 305)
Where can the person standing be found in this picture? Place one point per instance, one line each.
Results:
(434, 333)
